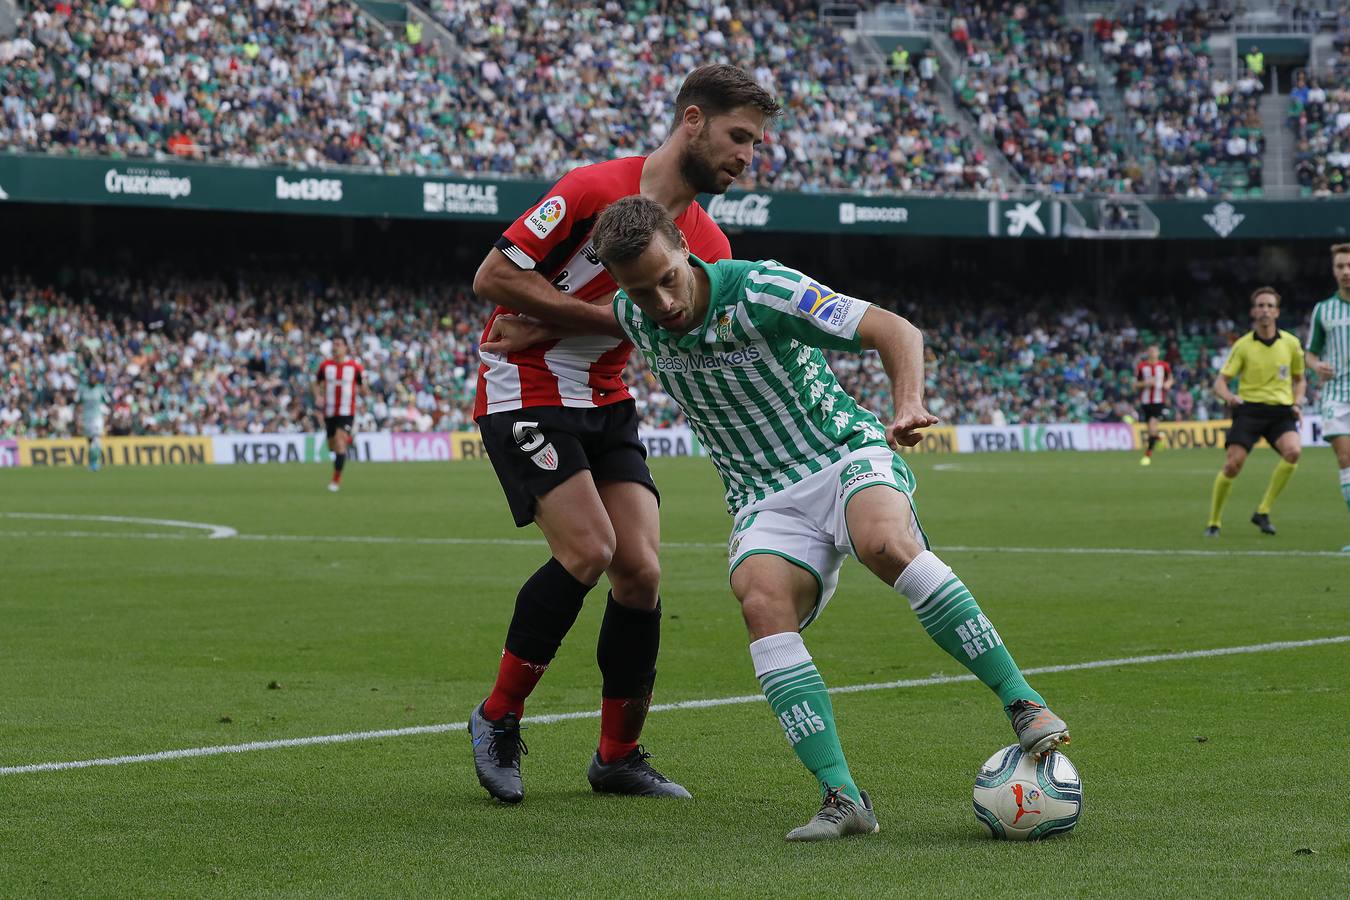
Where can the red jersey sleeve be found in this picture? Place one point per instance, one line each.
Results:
(1138, 371)
(1167, 368)
(568, 205)
(360, 373)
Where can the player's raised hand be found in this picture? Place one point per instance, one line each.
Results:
(1323, 369)
(510, 333)
(904, 431)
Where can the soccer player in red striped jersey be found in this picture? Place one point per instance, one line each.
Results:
(561, 429)
(337, 382)
(1153, 380)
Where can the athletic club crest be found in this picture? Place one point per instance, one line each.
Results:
(546, 457)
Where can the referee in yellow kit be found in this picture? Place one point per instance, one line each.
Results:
(1268, 364)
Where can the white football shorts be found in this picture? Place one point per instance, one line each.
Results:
(804, 523)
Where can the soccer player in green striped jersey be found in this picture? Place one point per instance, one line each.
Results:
(811, 477)
(1329, 356)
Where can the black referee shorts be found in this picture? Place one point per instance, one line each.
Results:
(536, 449)
(1253, 421)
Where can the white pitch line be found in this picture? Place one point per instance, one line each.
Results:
(549, 719)
(671, 545)
(216, 531)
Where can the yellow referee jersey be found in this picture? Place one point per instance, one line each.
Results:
(1265, 371)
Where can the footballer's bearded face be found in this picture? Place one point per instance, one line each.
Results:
(721, 149)
(661, 282)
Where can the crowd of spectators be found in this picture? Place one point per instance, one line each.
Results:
(1201, 128)
(1025, 81)
(537, 89)
(581, 81)
(236, 354)
(195, 355)
(1319, 114)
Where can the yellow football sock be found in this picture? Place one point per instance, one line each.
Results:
(1278, 479)
(1223, 485)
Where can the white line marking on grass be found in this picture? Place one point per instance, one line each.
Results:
(216, 531)
(351, 736)
(670, 545)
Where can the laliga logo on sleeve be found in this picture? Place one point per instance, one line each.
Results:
(824, 304)
(544, 219)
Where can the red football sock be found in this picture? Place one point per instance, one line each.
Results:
(337, 476)
(516, 678)
(621, 721)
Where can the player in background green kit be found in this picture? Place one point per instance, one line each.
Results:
(94, 399)
(811, 477)
(1329, 356)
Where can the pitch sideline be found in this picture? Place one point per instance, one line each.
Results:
(349, 737)
(225, 532)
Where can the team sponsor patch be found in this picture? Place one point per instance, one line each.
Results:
(546, 458)
(544, 219)
(821, 303)
(856, 473)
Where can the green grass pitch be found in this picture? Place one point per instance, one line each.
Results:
(1203, 776)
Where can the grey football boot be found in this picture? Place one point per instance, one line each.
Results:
(497, 748)
(632, 775)
(839, 816)
(1038, 729)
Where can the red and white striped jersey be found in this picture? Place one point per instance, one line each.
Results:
(554, 239)
(339, 386)
(1155, 375)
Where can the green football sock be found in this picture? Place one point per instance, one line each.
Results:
(1223, 486)
(955, 622)
(798, 696)
(1278, 479)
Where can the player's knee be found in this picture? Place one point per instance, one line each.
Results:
(1292, 455)
(637, 585)
(763, 610)
(887, 551)
(588, 558)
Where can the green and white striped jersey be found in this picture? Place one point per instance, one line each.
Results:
(751, 380)
(1329, 338)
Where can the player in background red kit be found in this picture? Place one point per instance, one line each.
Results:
(336, 384)
(562, 431)
(1153, 380)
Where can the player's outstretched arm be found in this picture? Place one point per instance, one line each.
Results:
(502, 282)
(900, 346)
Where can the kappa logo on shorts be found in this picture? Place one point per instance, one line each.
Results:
(854, 469)
(546, 458)
(544, 219)
(854, 473)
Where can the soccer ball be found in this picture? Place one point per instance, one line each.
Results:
(1018, 798)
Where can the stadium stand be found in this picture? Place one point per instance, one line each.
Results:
(212, 355)
(315, 84)
(235, 354)
(1202, 128)
(1025, 81)
(1319, 114)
